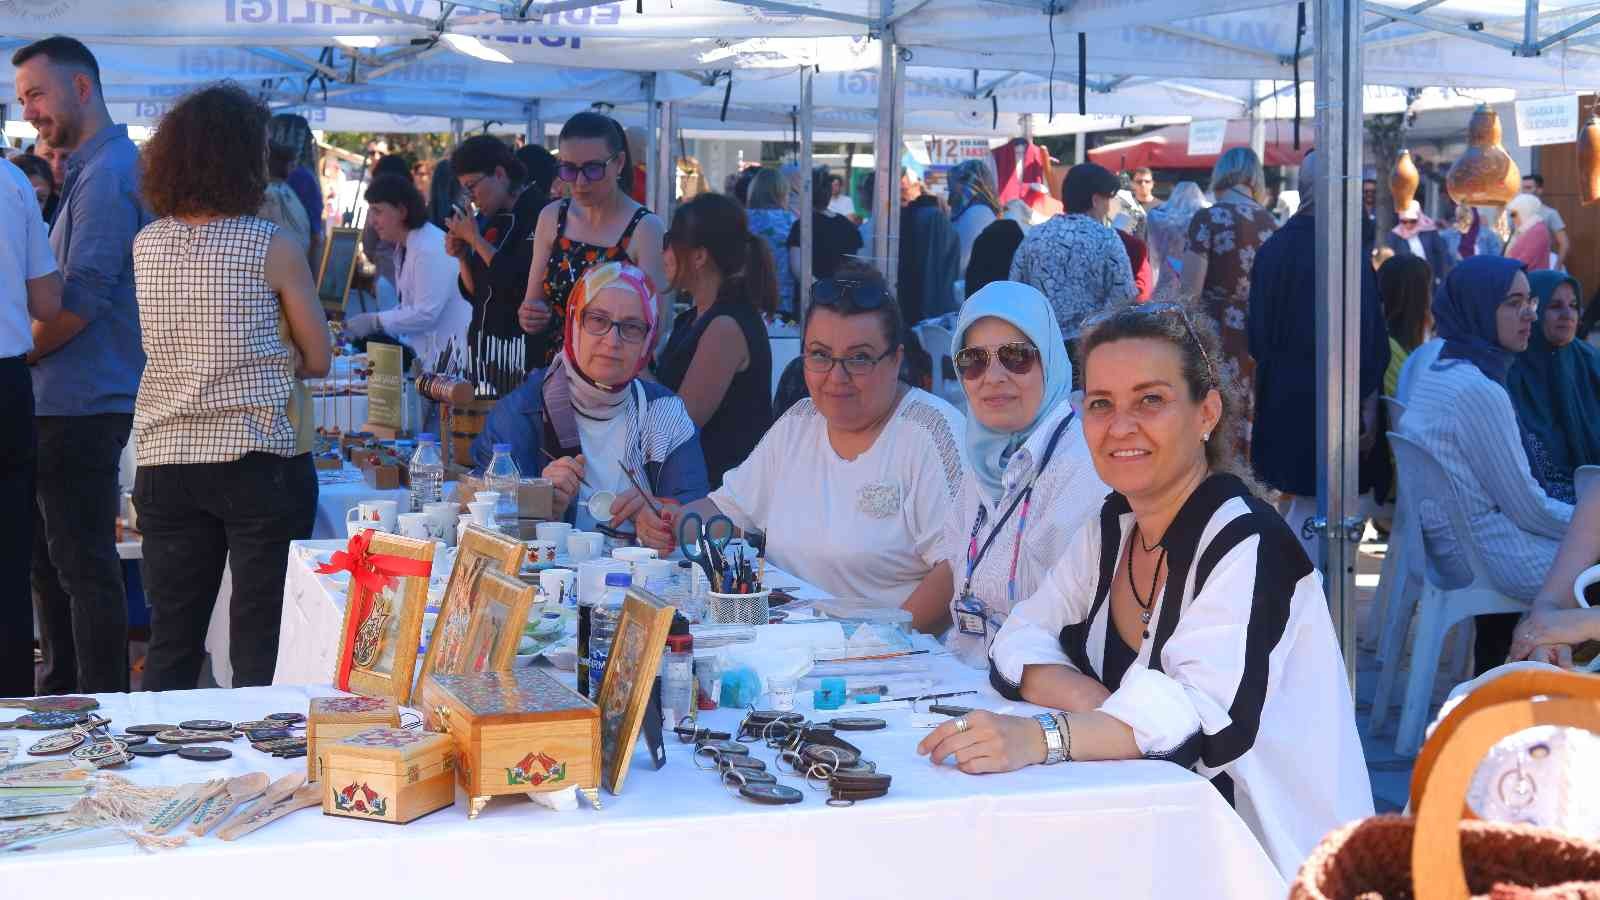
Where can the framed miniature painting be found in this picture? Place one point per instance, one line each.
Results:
(382, 625)
(480, 551)
(629, 677)
(499, 613)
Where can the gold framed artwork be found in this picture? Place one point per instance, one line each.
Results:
(499, 612)
(339, 253)
(383, 614)
(629, 677)
(480, 551)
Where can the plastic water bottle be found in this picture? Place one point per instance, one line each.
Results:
(602, 631)
(502, 477)
(677, 672)
(426, 472)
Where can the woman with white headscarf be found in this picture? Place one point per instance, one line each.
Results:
(1530, 242)
(1169, 237)
(1030, 482)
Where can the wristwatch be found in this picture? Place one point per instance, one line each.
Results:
(1054, 749)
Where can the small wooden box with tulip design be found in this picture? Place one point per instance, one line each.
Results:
(388, 775)
(516, 732)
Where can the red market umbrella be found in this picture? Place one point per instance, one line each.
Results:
(1168, 148)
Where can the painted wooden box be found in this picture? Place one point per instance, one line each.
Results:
(332, 718)
(388, 774)
(516, 732)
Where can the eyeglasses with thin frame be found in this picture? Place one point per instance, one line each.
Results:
(631, 331)
(469, 187)
(1017, 357)
(1155, 309)
(592, 171)
(855, 365)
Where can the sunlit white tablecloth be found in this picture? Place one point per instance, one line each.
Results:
(1097, 830)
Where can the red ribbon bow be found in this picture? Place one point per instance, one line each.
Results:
(370, 573)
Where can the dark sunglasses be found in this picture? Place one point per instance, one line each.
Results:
(1018, 358)
(864, 295)
(1160, 309)
(592, 171)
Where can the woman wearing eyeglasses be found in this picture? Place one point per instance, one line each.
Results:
(598, 223)
(852, 486)
(1186, 624)
(587, 415)
(1030, 482)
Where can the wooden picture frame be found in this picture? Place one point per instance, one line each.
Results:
(340, 251)
(499, 613)
(383, 651)
(629, 677)
(480, 551)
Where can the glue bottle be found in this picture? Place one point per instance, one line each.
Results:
(677, 672)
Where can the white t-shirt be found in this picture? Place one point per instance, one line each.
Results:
(24, 255)
(842, 205)
(605, 443)
(863, 529)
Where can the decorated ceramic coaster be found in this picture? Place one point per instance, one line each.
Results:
(190, 736)
(56, 743)
(153, 749)
(47, 721)
(206, 725)
(290, 718)
(53, 704)
(102, 753)
(204, 754)
(148, 730)
(132, 740)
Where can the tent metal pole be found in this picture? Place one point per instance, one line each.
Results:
(458, 127)
(652, 128)
(1258, 124)
(898, 142)
(1530, 30)
(1338, 242)
(808, 235)
(533, 128)
(665, 162)
(885, 158)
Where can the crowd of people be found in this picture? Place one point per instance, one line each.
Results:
(1121, 433)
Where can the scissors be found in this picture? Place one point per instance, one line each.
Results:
(704, 540)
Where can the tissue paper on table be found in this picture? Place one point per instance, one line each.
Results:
(779, 662)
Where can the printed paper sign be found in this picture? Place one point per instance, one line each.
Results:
(384, 390)
(1205, 136)
(1548, 120)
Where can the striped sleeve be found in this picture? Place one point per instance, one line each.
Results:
(1499, 462)
(1205, 699)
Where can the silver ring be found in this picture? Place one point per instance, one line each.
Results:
(961, 725)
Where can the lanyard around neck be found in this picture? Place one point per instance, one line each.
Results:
(975, 554)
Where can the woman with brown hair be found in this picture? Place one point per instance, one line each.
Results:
(718, 359)
(1186, 624)
(219, 477)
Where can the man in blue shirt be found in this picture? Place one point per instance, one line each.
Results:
(86, 368)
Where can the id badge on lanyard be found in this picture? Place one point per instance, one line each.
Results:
(972, 616)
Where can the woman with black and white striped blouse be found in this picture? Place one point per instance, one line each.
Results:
(1235, 671)
(229, 318)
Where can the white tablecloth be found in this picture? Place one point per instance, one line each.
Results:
(1096, 830)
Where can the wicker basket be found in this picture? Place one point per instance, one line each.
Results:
(1437, 856)
(738, 609)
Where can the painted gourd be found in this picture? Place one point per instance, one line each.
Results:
(1403, 182)
(1589, 161)
(1485, 175)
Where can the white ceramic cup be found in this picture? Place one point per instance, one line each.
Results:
(442, 520)
(634, 554)
(579, 549)
(353, 527)
(559, 584)
(379, 514)
(414, 525)
(482, 512)
(600, 503)
(553, 531)
(486, 497)
(542, 551)
(653, 574)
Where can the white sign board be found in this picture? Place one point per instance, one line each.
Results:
(1549, 120)
(1205, 136)
(950, 151)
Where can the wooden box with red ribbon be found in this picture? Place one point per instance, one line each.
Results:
(382, 613)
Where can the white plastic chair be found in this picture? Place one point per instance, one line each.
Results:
(1441, 605)
(936, 340)
(1395, 601)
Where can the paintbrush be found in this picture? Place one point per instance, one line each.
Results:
(554, 458)
(642, 492)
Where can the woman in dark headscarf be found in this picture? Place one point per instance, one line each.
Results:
(1555, 384)
(1460, 414)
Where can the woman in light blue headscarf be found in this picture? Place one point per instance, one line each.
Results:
(1031, 482)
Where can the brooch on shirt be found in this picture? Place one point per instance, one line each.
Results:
(878, 501)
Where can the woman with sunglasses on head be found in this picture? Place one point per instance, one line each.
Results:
(1186, 624)
(598, 223)
(1030, 482)
(494, 260)
(852, 486)
(718, 358)
(587, 415)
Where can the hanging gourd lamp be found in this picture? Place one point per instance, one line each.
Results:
(1485, 175)
(1403, 182)
(1589, 161)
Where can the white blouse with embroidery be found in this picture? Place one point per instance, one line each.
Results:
(867, 529)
